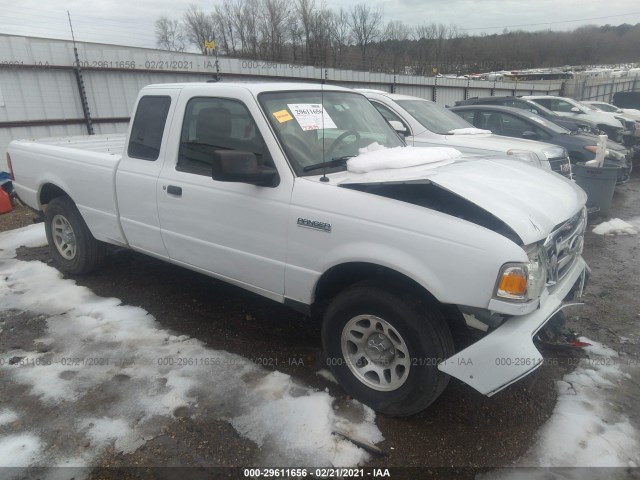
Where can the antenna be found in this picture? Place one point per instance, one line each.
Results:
(324, 177)
(80, 81)
(217, 77)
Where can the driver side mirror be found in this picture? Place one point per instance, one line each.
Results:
(530, 135)
(242, 167)
(398, 127)
(576, 110)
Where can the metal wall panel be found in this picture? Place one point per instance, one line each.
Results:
(41, 84)
(38, 94)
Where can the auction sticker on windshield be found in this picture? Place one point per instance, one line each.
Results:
(283, 116)
(311, 116)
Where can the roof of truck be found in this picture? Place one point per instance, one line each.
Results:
(254, 87)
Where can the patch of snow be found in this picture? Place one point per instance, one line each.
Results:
(615, 226)
(31, 236)
(7, 416)
(148, 373)
(586, 429)
(468, 131)
(297, 426)
(19, 450)
(372, 147)
(327, 375)
(401, 157)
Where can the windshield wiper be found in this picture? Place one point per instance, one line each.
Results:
(334, 162)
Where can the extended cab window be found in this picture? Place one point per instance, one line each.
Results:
(212, 124)
(148, 127)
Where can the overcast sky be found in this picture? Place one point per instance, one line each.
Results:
(131, 22)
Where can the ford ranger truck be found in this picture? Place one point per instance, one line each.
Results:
(305, 195)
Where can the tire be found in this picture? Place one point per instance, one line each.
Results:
(73, 248)
(415, 338)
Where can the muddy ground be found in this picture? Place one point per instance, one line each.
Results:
(462, 429)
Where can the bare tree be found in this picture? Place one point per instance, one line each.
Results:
(340, 33)
(272, 27)
(199, 27)
(365, 23)
(223, 19)
(169, 34)
(304, 12)
(396, 34)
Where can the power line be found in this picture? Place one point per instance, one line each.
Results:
(551, 23)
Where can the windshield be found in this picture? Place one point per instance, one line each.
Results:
(546, 123)
(534, 107)
(433, 117)
(347, 123)
(586, 106)
(605, 107)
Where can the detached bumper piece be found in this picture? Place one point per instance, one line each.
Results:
(508, 353)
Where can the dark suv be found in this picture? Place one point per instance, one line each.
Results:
(533, 107)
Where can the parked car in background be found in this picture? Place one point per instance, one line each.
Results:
(424, 123)
(518, 123)
(583, 124)
(608, 107)
(627, 112)
(614, 126)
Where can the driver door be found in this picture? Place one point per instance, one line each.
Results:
(232, 230)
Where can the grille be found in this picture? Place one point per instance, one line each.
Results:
(561, 165)
(563, 247)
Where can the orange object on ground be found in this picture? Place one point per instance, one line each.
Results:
(5, 202)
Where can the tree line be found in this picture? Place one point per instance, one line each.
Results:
(358, 37)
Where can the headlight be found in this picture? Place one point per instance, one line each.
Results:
(554, 152)
(521, 282)
(525, 155)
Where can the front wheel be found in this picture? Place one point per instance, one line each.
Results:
(384, 348)
(73, 248)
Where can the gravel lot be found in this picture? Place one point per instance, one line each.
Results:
(463, 429)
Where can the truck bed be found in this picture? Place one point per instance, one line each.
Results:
(83, 166)
(112, 144)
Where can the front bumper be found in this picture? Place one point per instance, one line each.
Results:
(508, 353)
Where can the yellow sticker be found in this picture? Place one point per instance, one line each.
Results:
(283, 116)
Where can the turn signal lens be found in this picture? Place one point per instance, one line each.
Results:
(513, 283)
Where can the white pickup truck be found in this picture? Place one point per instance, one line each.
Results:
(305, 195)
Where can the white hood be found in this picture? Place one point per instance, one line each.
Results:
(530, 200)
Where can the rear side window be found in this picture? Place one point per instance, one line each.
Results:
(148, 127)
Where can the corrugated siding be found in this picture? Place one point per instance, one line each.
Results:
(42, 85)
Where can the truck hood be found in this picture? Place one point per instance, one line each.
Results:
(530, 200)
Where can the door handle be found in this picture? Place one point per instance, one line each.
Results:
(173, 190)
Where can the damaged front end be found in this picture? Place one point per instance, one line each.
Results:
(508, 351)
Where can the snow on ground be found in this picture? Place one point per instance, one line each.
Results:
(615, 226)
(589, 427)
(7, 416)
(327, 375)
(106, 374)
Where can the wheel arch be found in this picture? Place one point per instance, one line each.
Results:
(49, 191)
(341, 276)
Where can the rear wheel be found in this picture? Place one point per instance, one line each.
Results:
(73, 248)
(384, 346)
